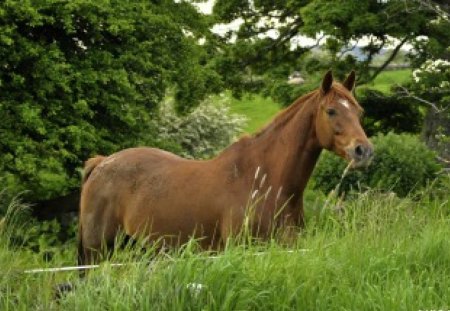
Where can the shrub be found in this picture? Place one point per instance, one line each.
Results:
(385, 113)
(20, 231)
(402, 164)
(80, 77)
(202, 133)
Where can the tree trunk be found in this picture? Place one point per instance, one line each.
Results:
(436, 132)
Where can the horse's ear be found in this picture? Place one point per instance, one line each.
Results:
(327, 82)
(349, 83)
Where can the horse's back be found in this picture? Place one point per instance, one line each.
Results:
(130, 163)
(145, 187)
(121, 174)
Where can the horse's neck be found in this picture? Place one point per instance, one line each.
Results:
(288, 152)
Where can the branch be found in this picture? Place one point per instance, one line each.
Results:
(347, 50)
(440, 9)
(308, 48)
(433, 106)
(293, 31)
(443, 160)
(387, 61)
(282, 38)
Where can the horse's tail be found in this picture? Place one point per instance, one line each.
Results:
(80, 249)
(89, 166)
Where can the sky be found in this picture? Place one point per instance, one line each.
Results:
(205, 7)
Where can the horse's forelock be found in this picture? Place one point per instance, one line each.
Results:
(338, 91)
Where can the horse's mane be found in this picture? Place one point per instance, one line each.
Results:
(284, 116)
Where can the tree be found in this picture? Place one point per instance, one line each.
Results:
(431, 88)
(336, 25)
(82, 77)
(384, 113)
(431, 81)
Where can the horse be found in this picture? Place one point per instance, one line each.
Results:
(155, 194)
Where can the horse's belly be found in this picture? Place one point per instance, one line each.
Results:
(174, 208)
(175, 223)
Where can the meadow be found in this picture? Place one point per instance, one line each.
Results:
(386, 79)
(376, 252)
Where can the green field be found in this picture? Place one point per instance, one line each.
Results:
(259, 110)
(386, 79)
(383, 253)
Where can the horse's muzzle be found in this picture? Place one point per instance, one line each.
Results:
(360, 154)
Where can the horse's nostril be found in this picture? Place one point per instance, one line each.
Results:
(359, 151)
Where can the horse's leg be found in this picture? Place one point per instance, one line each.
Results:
(96, 238)
(301, 217)
(231, 225)
(89, 250)
(290, 225)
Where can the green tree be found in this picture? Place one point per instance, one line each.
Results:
(431, 88)
(82, 77)
(384, 113)
(336, 25)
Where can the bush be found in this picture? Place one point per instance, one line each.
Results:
(402, 164)
(80, 78)
(21, 232)
(385, 113)
(202, 133)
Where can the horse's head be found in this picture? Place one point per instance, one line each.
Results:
(338, 126)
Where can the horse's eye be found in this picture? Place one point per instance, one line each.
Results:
(331, 112)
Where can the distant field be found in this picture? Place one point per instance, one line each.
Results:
(260, 110)
(257, 109)
(386, 79)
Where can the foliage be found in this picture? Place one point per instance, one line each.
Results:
(383, 253)
(203, 132)
(267, 41)
(432, 87)
(18, 230)
(385, 113)
(402, 164)
(388, 80)
(286, 94)
(81, 77)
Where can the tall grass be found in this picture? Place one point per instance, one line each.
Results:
(381, 253)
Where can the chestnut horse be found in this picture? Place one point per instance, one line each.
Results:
(156, 194)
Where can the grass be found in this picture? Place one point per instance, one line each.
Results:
(259, 110)
(386, 79)
(383, 253)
